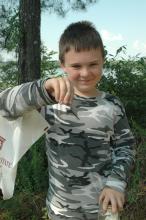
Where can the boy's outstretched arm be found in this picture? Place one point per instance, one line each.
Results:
(16, 101)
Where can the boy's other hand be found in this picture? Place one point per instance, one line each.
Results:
(112, 197)
(61, 89)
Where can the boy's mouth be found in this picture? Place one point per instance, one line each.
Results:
(85, 81)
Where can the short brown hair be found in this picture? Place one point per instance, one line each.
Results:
(81, 35)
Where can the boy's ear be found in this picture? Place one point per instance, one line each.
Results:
(62, 66)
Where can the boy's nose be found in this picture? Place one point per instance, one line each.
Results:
(85, 72)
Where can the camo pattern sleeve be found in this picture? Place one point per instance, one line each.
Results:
(15, 101)
(122, 142)
(89, 146)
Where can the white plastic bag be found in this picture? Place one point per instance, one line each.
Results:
(16, 137)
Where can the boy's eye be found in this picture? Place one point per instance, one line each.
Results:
(76, 66)
(94, 64)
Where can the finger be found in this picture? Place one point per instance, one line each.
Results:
(101, 197)
(62, 89)
(52, 87)
(120, 204)
(114, 204)
(105, 204)
(56, 88)
(70, 92)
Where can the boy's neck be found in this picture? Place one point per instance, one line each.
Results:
(94, 93)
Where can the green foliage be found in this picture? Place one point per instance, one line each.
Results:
(8, 74)
(23, 206)
(49, 66)
(31, 186)
(45, 214)
(137, 186)
(9, 69)
(33, 170)
(134, 209)
(9, 28)
(62, 7)
(126, 78)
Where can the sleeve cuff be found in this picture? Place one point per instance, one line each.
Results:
(116, 184)
(44, 94)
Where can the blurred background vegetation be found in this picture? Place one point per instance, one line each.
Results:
(124, 76)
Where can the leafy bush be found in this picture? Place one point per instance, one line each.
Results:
(126, 78)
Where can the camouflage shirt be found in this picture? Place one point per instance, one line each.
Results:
(89, 145)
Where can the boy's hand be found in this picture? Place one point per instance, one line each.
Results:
(112, 197)
(61, 89)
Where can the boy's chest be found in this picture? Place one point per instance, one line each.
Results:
(90, 119)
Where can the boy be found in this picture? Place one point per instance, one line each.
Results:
(89, 144)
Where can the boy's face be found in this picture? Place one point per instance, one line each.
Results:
(84, 69)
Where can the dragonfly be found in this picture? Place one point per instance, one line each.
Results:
(70, 108)
(73, 112)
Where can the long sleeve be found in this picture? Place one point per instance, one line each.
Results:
(123, 144)
(16, 101)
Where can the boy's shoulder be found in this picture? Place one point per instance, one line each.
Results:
(113, 99)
